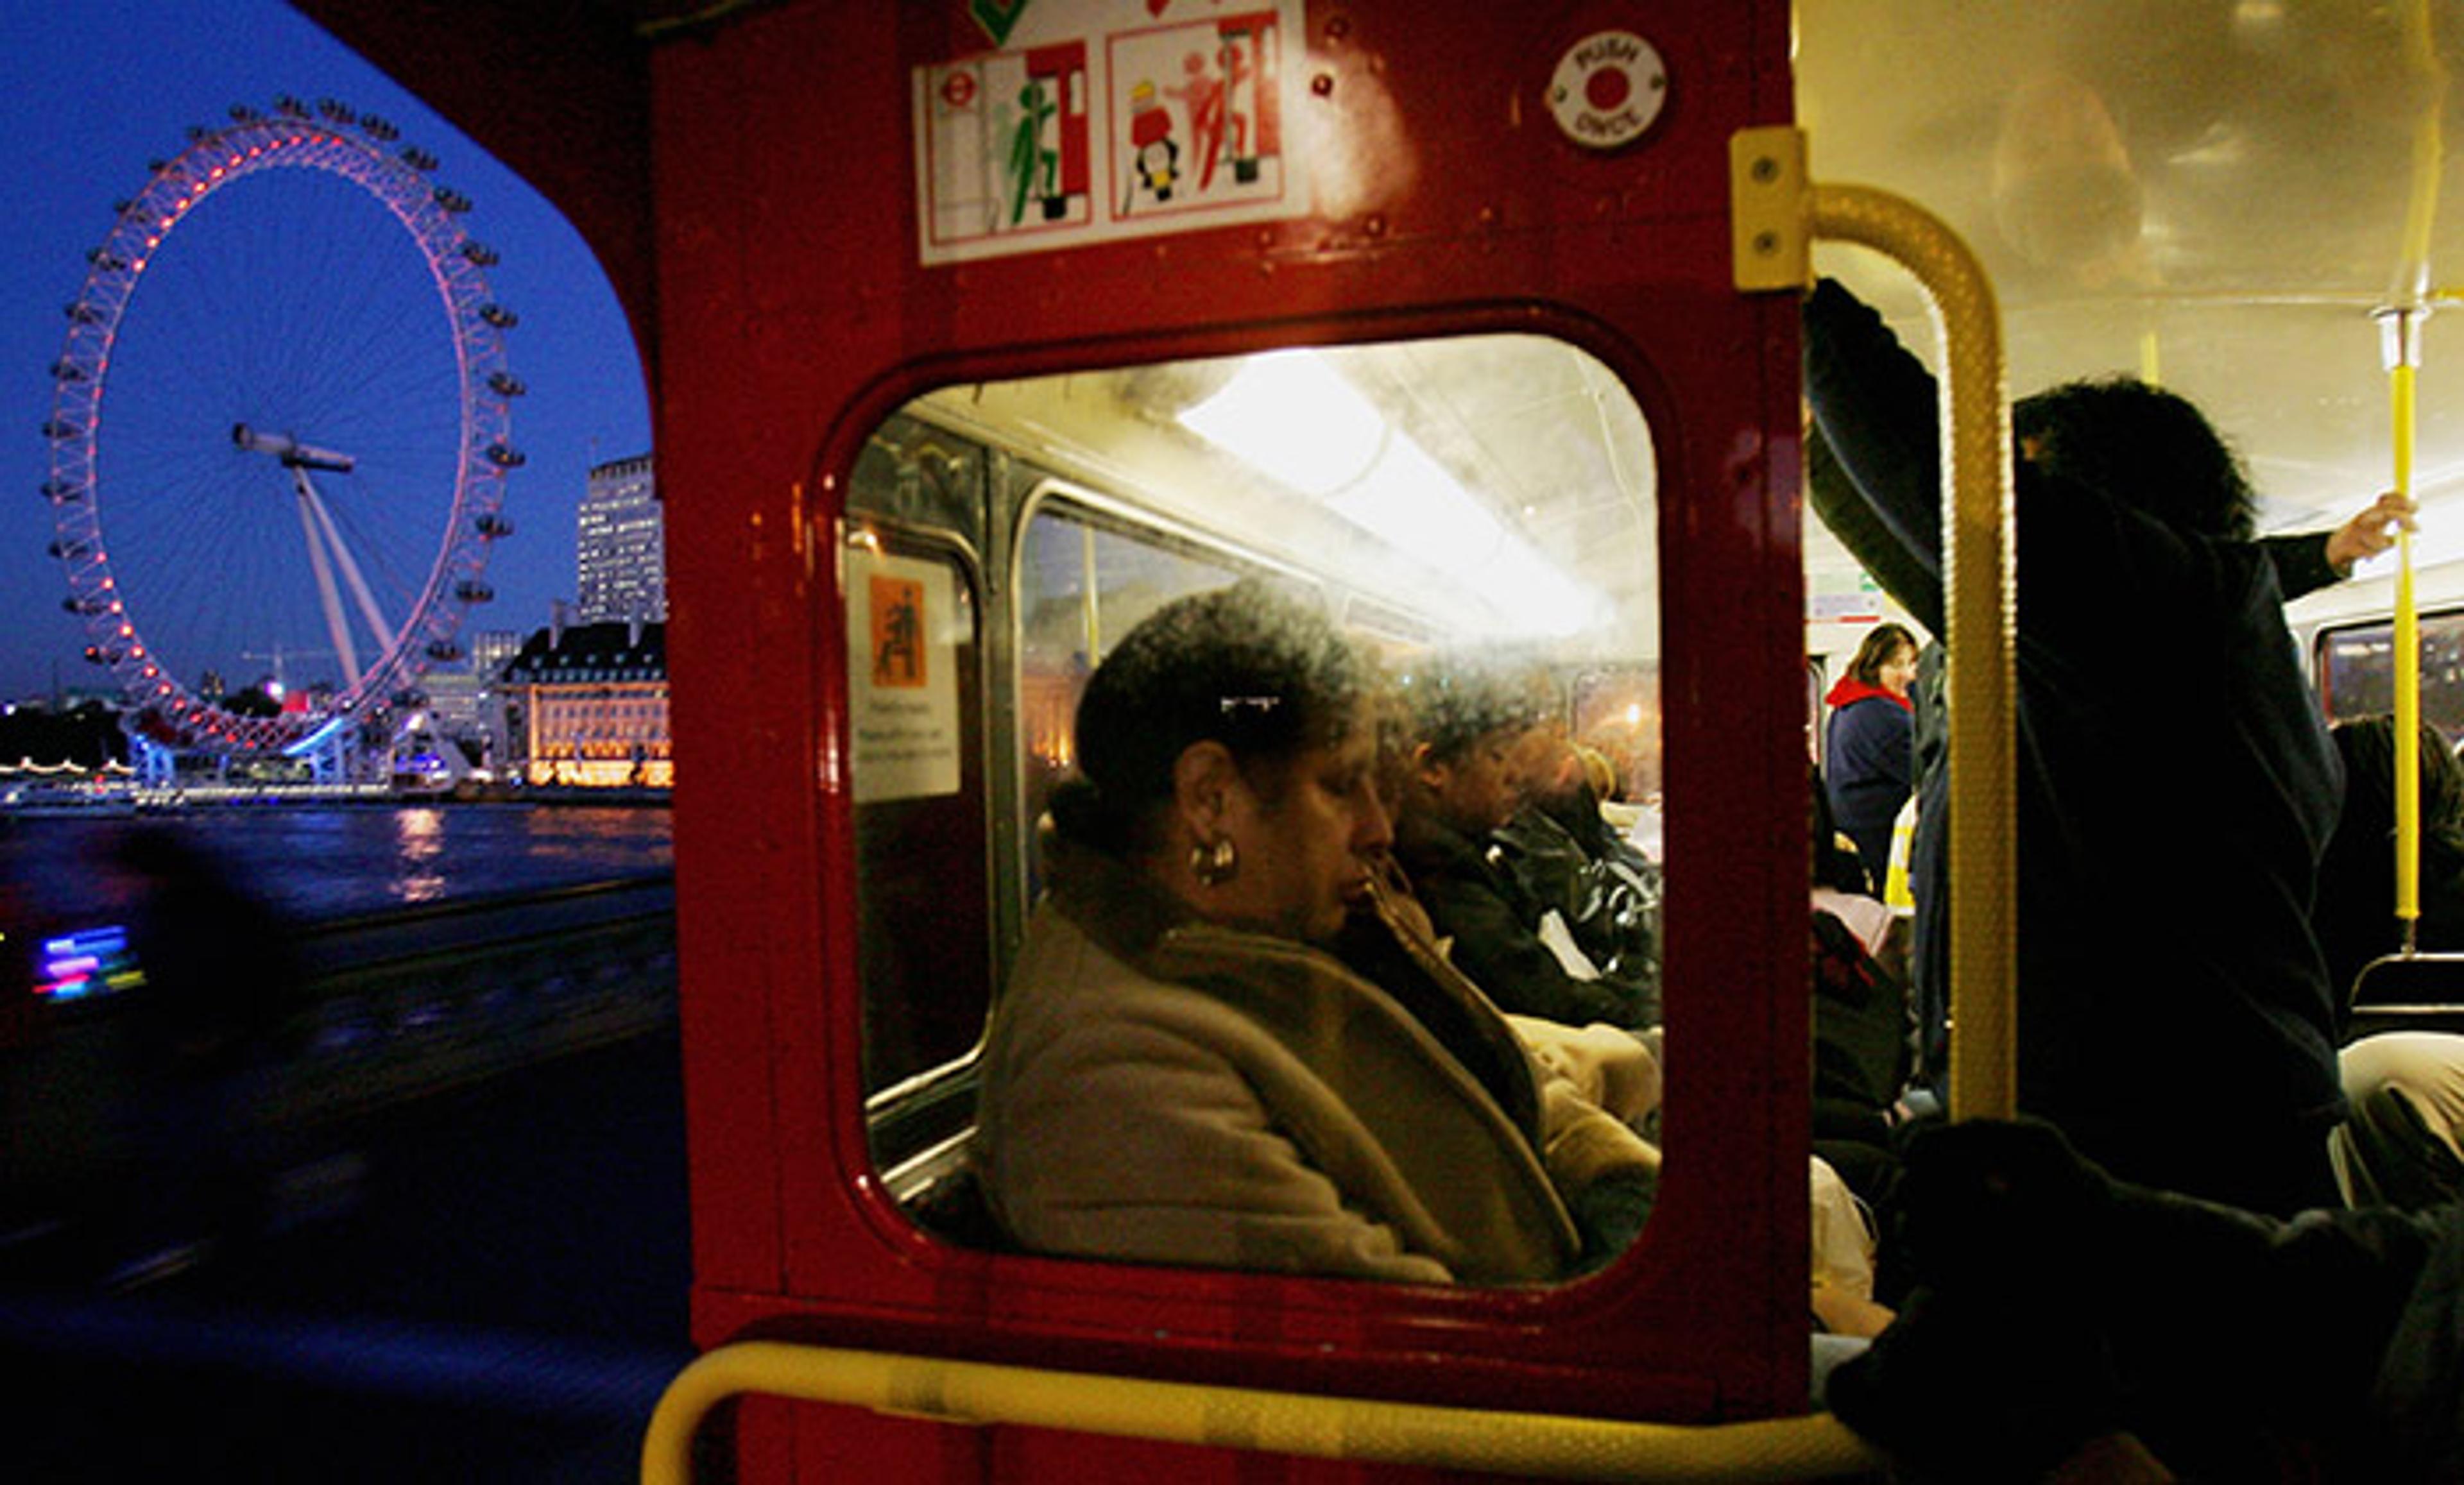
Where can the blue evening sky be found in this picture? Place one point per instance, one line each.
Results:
(88, 95)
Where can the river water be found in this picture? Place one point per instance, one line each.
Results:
(312, 862)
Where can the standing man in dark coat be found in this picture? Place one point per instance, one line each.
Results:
(2176, 785)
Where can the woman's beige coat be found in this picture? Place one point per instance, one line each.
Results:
(1160, 1089)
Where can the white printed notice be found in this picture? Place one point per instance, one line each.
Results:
(1090, 120)
(904, 627)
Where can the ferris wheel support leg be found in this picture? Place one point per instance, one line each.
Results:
(351, 576)
(337, 627)
(334, 760)
(156, 765)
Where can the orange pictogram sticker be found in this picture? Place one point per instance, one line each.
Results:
(897, 632)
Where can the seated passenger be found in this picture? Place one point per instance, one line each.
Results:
(1459, 787)
(1864, 1022)
(2404, 1144)
(1180, 1072)
(2354, 913)
(1566, 857)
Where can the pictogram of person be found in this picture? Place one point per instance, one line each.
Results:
(1028, 158)
(1154, 153)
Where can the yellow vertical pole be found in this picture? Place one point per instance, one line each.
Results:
(2403, 335)
(2400, 331)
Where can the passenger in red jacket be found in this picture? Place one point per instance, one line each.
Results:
(1868, 764)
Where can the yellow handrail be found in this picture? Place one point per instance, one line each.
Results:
(1980, 607)
(1532, 1445)
(1776, 215)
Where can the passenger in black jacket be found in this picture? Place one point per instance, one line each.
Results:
(2176, 785)
(2304, 561)
(1561, 854)
(1458, 787)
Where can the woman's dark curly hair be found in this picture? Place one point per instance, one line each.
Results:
(2146, 447)
(1263, 674)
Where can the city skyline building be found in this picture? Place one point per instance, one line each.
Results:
(491, 648)
(586, 706)
(620, 548)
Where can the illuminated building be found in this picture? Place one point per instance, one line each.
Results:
(619, 547)
(589, 706)
(491, 648)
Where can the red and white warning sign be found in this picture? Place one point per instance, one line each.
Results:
(1607, 88)
(1093, 120)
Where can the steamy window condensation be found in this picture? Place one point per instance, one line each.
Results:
(1486, 501)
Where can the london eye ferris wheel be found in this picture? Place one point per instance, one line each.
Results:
(281, 432)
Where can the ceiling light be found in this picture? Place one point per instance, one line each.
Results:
(1292, 415)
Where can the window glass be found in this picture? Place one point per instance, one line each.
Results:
(1488, 499)
(916, 726)
(2357, 671)
(1081, 585)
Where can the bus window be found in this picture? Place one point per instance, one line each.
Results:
(1493, 494)
(2355, 671)
(923, 893)
(1078, 583)
(1617, 714)
(914, 476)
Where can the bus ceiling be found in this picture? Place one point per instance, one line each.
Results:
(2225, 198)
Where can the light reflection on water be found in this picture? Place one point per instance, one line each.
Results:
(327, 862)
(422, 835)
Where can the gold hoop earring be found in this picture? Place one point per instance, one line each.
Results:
(1215, 862)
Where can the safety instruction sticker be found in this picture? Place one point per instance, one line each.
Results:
(904, 628)
(1090, 120)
